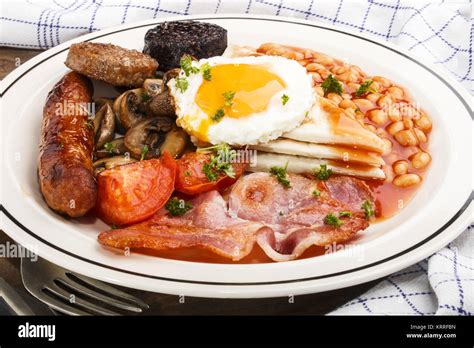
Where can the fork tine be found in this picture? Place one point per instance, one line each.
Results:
(78, 288)
(88, 306)
(57, 304)
(98, 285)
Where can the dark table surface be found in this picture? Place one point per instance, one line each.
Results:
(313, 304)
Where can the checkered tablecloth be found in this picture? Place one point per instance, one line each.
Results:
(441, 31)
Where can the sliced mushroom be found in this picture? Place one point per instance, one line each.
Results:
(161, 105)
(130, 107)
(175, 142)
(99, 102)
(110, 162)
(145, 138)
(104, 125)
(152, 86)
(170, 74)
(112, 148)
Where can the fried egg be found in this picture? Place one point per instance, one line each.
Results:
(241, 101)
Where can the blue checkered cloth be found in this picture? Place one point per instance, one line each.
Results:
(441, 31)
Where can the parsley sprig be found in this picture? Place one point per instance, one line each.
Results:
(228, 98)
(218, 163)
(331, 85)
(178, 207)
(144, 152)
(364, 89)
(323, 173)
(182, 84)
(206, 71)
(280, 174)
(333, 220)
(186, 63)
(284, 99)
(368, 209)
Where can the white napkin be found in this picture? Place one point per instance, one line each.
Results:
(440, 31)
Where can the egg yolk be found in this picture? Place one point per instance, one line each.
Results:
(249, 89)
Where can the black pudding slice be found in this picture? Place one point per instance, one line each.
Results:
(169, 41)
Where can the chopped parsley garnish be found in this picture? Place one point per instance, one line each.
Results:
(144, 152)
(220, 163)
(331, 85)
(229, 97)
(364, 88)
(215, 166)
(333, 220)
(109, 147)
(368, 209)
(113, 227)
(284, 99)
(316, 193)
(186, 64)
(218, 115)
(345, 214)
(178, 207)
(187, 173)
(280, 174)
(182, 84)
(206, 71)
(324, 173)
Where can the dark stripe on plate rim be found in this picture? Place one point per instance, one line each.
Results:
(446, 225)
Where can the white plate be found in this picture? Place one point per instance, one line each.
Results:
(437, 214)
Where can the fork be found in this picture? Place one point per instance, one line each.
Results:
(73, 294)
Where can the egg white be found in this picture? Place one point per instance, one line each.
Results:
(254, 128)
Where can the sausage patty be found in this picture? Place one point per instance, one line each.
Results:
(65, 169)
(112, 64)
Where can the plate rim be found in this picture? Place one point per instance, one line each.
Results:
(12, 78)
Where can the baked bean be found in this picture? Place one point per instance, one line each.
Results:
(267, 46)
(395, 127)
(372, 97)
(339, 69)
(304, 62)
(406, 180)
(394, 114)
(316, 77)
(353, 86)
(319, 91)
(406, 137)
(388, 146)
(407, 122)
(400, 167)
(381, 132)
(424, 123)
(277, 51)
(346, 103)
(377, 116)
(313, 67)
(370, 127)
(308, 54)
(323, 59)
(397, 92)
(348, 76)
(382, 81)
(420, 160)
(385, 101)
(350, 112)
(374, 86)
(324, 73)
(422, 138)
(363, 103)
(334, 97)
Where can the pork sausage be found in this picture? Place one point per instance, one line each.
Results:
(65, 169)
